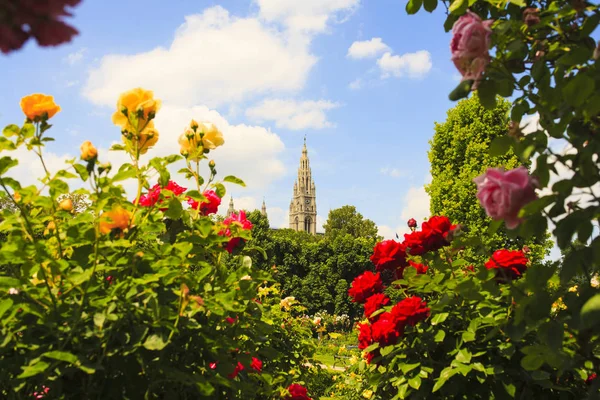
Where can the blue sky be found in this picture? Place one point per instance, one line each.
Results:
(267, 72)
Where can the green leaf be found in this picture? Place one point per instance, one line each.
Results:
(590, 312)
(415, 382)
(439, 318)
(406, 368)
(430, 5)
(501, 145)
(487, 94)
(7, 163)
(175, 209)
(32, 370)
(5, 305)
(81, 171)
(8, 282)
(413, 6)
(154, 342)
(123, 174)
(11, 130)
(464, 356)
(61, 356)
(439, 336)
(220, 190)
(458, 6)
(6, 144)
(578, 89)
(532, 362)
(510, 389)
(461, 91)
(468, 336)
(384, 351)
(233, 179)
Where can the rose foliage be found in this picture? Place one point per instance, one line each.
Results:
(122, 299)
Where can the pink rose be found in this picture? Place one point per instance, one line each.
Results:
(504, 193)
(471, 40)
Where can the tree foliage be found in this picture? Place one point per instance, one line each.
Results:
(346, 220)
(460, 151)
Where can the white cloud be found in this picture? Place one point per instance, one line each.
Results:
(367, 48)
(307, 15)
(392, 172)
(356, 84)
(292, 114)
(412, 65)
(75, 57)
(214, 58)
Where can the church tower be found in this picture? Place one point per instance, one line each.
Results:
(303, 208)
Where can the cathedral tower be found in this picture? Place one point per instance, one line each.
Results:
(303, 208)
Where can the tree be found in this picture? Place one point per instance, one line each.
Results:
(460, 151)
(346, 220)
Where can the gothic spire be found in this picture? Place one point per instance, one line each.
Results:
(263, 209)
(230, 210)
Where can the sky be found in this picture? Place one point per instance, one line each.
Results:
(364, 81)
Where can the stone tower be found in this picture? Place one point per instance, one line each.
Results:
(303, 208)
(263, 209)
(230, 210)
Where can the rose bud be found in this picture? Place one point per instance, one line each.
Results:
(88, 151)
(66, 204)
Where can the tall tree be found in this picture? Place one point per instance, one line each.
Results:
(346, 220)
(460, 151)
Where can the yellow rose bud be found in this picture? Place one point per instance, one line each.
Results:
(17, 197)
(37, 106)
(193, 125)
(88, 151)
(134, 103)
(211, 163)
(66, 204)
(50, 228)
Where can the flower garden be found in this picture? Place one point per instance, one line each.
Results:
(153, 296)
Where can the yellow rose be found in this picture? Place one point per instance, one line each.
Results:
(88, 151)
(50, 228)
(135, 108)
(367, 394)
(117, 218)
(66, 204)
(212, 137)
(37, 106)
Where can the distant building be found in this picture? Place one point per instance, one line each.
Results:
(303, 207)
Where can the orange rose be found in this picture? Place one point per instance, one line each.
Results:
(37, 106)
(88, 151)
(66, 204)
(145, 140)
(117, 218)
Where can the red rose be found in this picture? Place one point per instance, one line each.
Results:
(411, 310)
(365, 286)
(364, 336)
(412, 223)
(153, 195)
(212, 365)
(256, 364)
(510, 264)
(374, 303)
(414, 242)
(240, 221)
(591, 378)
(469, 268)
(436, 232)
(238, 368)
(207, 207)
(371, 355)
(388, 254)
(297, 392)
(52, 32)
(231, 320)
(387, 329)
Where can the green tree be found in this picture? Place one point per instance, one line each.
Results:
(346, 220)
(460, 151)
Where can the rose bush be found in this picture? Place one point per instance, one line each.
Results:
(132, 299)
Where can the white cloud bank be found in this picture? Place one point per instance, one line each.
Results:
(414, 205)
(367, 48)
(292, 114)
(412, 65)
